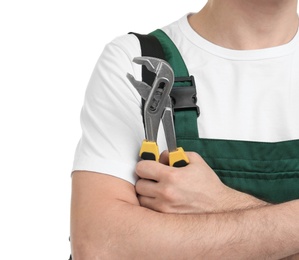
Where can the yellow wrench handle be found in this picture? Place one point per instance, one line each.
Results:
(149, 151)
(178, 158)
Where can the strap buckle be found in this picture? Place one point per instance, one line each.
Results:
(184, 96)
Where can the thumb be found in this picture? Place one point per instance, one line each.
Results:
(164, 157)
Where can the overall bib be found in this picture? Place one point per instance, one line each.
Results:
(268, 171)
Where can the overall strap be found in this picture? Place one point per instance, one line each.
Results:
(150, 46)
(172, 55)
(158, 44)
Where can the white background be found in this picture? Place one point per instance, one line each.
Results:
(47, 52)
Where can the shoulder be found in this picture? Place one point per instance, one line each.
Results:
(126, 44)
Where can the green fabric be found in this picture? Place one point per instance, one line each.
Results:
(172, 54)
(186, 124)
(269, 171)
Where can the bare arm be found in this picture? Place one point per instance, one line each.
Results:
(107, 222)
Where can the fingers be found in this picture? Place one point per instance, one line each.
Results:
(195, 161)
(146, 192)
(164, 157)
(151, 195)
(192, 156)
(150, 170)
(147, 202)
(146, 187)
(147, 169)
(175, 189)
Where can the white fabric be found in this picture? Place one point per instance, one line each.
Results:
(243, 95)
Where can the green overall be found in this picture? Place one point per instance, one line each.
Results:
(269, 171)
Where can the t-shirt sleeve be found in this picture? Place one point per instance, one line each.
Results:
(111, 120)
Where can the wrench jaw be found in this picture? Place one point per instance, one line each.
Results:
(158, 66)
(142, 88)
(152, 64)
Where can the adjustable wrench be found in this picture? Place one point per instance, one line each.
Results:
(158, 107)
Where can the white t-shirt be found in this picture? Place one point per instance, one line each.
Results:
(243, 95)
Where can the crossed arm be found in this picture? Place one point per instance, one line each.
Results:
(179, 213)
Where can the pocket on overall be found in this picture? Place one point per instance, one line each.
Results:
(269, 171)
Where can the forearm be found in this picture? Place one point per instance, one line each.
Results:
(133, 232)
(233, 200)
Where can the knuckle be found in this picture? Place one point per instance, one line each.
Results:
(142, 164)
(194, 155)
(138, 186)
(141, 201)
(162, 207)
(168, 193)
(138, 167)
(171, 175)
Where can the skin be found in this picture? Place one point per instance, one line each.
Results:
(187, 213)
(181, 190)
(247, 24)
(107, 219)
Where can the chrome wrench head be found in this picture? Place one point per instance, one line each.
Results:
(157, 96)
(142, 88)
(158, 66)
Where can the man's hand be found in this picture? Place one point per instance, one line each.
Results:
(192, 189)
